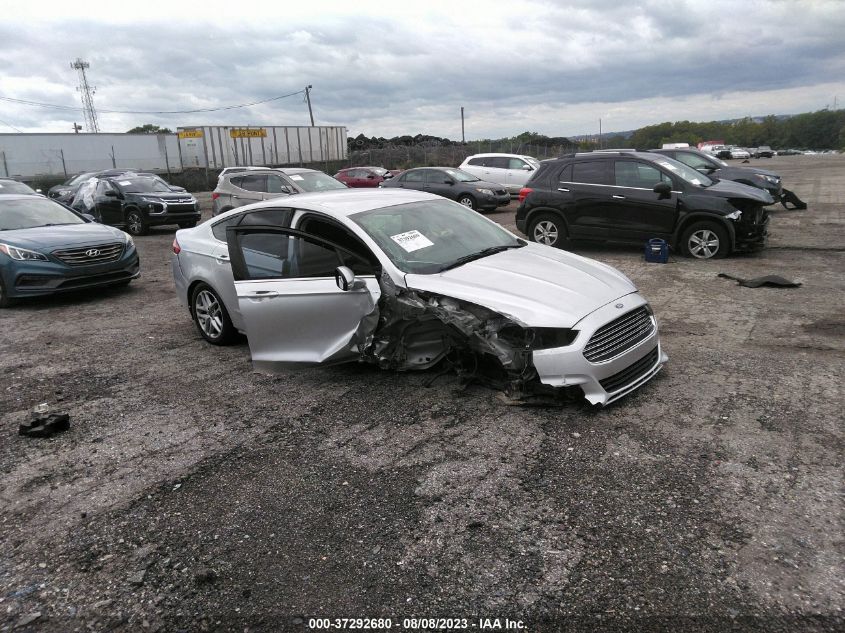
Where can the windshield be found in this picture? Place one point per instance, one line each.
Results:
(33, 212)
(685, 172)
(461, 176)
(315, 181)
(142, 184)
(12, 186)
(427, 237)
(80, 178)
(532, 161)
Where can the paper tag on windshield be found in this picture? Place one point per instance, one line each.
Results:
(412, 240)
(125, 183)
(296, 177)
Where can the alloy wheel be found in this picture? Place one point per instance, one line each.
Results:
(467, 202)
(209, 314)
(703, 244)
(546, 232)
(135, 223)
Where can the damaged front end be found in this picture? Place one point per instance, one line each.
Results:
(419, 329)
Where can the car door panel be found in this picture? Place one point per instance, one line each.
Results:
(591, 198)
(636, 212)
(297, 314)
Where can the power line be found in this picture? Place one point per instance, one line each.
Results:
(75, 109)
(10, 125)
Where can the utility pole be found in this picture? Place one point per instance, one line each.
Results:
(463, 136)
(87, 94)
(308, 99)
(599, 132)
(76, 128)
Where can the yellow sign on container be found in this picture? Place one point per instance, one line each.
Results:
(242, 132)
(190, 133)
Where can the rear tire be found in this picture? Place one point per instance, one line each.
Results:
(548, 229)
(706, 240)
(135, 223)
(210, 316)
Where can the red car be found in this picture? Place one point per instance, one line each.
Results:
(363, 176)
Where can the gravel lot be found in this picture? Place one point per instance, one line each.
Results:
(193, 494)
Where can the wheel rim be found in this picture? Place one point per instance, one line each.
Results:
(134, 222)
(703, 244)
(467, 202)
(209, 313)
(546, 232)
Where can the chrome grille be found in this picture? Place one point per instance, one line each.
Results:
(619, 335)
(85, 255)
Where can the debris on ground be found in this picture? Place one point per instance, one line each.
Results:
(775, 281)
(789, 197)
(44, 424)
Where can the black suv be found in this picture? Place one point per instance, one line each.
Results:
(714, 167)
(635, 196)
(137, 201)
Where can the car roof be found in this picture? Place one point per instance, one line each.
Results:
(341, 203)
(612, 154)
(499, 154)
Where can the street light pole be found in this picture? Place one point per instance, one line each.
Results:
(308, 99)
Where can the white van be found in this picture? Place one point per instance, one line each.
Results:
(510, 170)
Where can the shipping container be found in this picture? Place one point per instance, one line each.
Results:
(216, 147)
(32, 155)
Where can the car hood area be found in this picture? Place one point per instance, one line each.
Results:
(732, 173)
(47, 238)
(536, 286)
(731, 189)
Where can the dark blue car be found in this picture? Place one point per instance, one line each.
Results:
(46, 248)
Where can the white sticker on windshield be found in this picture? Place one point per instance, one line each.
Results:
(412, 240)
(1, 186)
(296, 177)
(125, 183)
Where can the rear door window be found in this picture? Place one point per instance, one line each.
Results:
(252, 183)
(219, 229)
(566, 174)
(498, 162)
(590, 172)
(268, 217)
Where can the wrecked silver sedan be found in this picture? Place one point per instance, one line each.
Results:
(407, 280)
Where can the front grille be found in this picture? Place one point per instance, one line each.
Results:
(85, 255)
(619, 335)
(630, 374)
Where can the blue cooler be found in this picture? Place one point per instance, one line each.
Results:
(657, 250)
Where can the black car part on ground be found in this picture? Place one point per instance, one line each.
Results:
(775, 281)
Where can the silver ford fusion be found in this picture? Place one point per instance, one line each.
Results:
(406, 280)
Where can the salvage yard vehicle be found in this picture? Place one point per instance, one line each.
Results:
(363, 176)
(406, 280)
(45, 248)
(137, 201)
(510, 170)
(10, 186)
(632, 196)
(718, 169)
(454, 184)
(251, 184)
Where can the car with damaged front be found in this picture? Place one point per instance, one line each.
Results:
(407, 280)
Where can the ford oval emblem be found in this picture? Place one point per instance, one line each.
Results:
(620, 305)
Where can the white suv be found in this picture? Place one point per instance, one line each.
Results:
(510, 170)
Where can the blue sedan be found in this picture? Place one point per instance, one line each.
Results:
(45, 248)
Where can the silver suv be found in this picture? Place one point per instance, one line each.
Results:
(242, 186)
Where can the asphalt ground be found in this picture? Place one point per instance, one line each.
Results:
(192, 494)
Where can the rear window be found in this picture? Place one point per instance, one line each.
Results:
(592, 172)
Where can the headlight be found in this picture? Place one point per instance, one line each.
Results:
(129, 240)
(486, 192)
(736, 215)
(22, 254)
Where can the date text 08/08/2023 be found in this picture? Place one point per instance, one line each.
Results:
(442, 624)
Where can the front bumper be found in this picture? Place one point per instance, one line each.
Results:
(752, 237)
(494, 201)
(607, 381)
(173, 214)
(33, 279)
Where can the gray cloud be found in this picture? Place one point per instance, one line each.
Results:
(540, 65)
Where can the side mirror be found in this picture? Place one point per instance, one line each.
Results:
(448, 181)
(387, 175)
(111, 193)
(38, 191)
(663, 189)
(88, 217)
(344, 277)
(527, 168)
(371, 176)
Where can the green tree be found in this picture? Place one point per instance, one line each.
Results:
(149, 128)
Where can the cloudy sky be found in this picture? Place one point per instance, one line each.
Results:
(403, 67)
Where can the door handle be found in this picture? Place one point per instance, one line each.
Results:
(261, 294)
(223, 259)
(236, 196)
(563, 189)
(618, 197)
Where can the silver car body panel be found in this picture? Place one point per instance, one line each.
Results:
(409, 321)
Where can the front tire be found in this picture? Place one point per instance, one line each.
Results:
(706, 240)
(467, 200)
(547, 229)
(135, 223)
(210, 316)
(5, 300)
